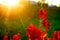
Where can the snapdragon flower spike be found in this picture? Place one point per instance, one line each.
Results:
(5, 37)
(16, 37)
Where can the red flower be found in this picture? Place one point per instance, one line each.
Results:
(58, 34)
(54, 34)
(49, 39)
(44, 17)
(33, 33)
(55, 38)
(46, 24)
(44, 11)
(40, 13)
(44, 14)
(16, 37)
(30, 28)
(5, 37)
(43, 33)
(29, 38)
